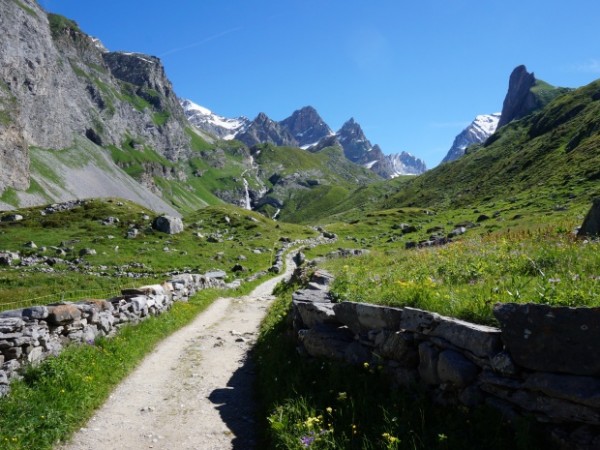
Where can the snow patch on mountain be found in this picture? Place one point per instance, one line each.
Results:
(405, 163)
(477, 132)
(204, 119)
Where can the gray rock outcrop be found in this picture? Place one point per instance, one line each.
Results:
(168, 224)
(519, 100)
(58, 84)
(264, 130)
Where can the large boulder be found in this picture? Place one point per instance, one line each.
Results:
(551, 339)
(584, 390)
(168, 224)
(591, 223)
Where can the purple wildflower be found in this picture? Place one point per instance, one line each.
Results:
(307, 441)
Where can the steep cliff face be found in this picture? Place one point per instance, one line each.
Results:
(519, 100)
(525, 95)
(161, 124)
(57, 83)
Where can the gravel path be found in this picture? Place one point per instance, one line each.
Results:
(194, 391)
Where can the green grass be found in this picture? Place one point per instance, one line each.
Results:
(184, 199)
(10, 196)
(26, 8)
(465, 279)
(59, 24)
(35, 188)
(160, 118)
(56, 398)
(78, 71)
(339, 406)
(198, 144)
(158, 252)
(5, 118)
(132, 156)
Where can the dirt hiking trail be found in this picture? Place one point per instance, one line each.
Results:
(194, 391)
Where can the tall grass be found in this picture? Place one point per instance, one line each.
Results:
(466, 278)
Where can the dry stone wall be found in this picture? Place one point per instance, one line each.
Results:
(29, 335)
(541, 362)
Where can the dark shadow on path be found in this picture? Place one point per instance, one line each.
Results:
(237, 405)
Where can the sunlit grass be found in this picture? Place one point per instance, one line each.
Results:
(466, 278)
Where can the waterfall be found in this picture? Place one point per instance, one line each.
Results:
(247, 204)
(276, 214)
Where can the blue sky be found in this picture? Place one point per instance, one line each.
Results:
(412, 73)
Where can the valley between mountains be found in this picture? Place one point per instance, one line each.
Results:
(144, 301)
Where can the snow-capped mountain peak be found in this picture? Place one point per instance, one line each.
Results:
(404, 163)
(190, 106)
(477, 132)
(204, 119)
(486, 124)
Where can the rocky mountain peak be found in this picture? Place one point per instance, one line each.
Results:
(204, 119)
(519, 100)
(355, 143)
(307, 126)
(482, 127)
(264, 130)
(262, 118)
(404, 163)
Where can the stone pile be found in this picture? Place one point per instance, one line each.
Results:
(542, 362)
(29, 335)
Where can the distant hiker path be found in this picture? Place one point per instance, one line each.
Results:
(194, 391)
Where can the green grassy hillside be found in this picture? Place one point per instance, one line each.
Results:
(304, 185)
(216, 237)
(549, 158)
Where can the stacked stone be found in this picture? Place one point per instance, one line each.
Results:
(542, 362)
(29, 335)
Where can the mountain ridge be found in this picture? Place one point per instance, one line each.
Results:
(306, 129)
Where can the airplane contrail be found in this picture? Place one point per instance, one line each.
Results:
(203, 41)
